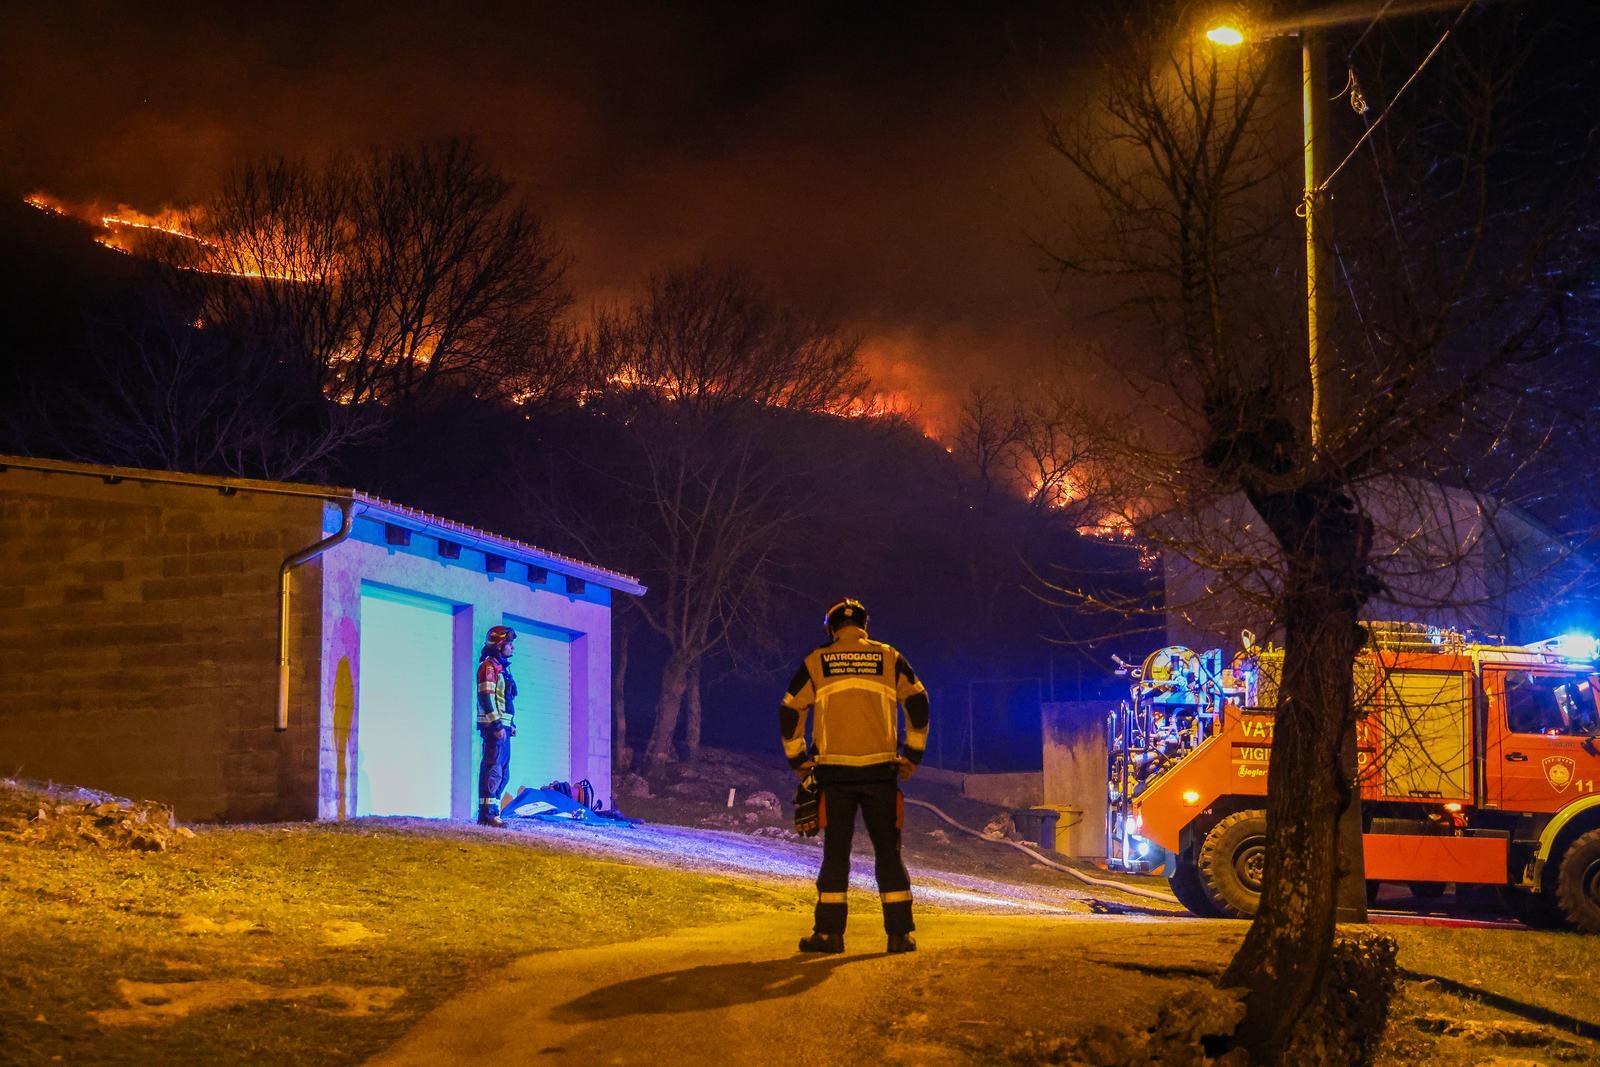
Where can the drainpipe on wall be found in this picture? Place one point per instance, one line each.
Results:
(347, 511)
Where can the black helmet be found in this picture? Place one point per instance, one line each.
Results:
(847, 612)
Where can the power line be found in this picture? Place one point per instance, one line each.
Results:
(1375, 20)
(1396, 98)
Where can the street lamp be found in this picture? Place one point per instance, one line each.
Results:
(1314, 108)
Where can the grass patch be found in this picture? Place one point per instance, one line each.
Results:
(304, 906)
(1553, 972)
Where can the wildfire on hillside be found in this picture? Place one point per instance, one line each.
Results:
(133, 221)
(168, 236)
(45, 204)
(873, 406)
(881, 405)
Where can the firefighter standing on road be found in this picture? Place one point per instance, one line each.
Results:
(497, 696)
(855, 684)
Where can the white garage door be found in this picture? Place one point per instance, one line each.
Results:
(403, 720)
(542, 666)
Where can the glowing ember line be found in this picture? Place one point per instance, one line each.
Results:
(113, 220)
(112, 227)
(38, 201)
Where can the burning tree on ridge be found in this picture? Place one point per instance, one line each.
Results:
(1188, 159)
(304, 307)
(407, 270)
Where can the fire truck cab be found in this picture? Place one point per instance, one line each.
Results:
(1478, 766)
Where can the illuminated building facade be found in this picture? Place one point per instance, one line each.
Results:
(250, 650)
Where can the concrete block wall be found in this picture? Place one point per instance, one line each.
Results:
(138, 642)
(1014, 789)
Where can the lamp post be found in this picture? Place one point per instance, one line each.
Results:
(1350, 896)
(1314, 132)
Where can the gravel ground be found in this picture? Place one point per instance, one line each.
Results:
(771, 859)
(690, 824)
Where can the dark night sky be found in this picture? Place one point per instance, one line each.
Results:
(878, 162)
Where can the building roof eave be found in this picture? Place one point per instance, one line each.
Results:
(422, 521)
(413, 517)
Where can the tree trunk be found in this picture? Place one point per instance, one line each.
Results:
(674, 682)
(692, 712)
(621, 757)
(1284, 960)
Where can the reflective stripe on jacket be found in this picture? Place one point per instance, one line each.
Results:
(496, 692)
(854, 686)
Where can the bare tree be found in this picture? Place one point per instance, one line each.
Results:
(989, 428)
(168, 391)
(694, 711)
(303, 308)
(1189, 188)
(707, 477)
(390, 276)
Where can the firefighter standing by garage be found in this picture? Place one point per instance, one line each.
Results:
(854, 685)
(497, 697)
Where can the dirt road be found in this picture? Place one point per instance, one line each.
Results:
(739, 993)
(1003, 967)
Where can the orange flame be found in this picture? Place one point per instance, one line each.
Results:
(45, 203)
(123, 228)
(116, 221)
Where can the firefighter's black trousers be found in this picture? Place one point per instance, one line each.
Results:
(882, 809)
(494, 767)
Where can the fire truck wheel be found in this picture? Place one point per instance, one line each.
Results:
(1188, 888)
(1427, 890)
(1578, 883)
(1230, 862)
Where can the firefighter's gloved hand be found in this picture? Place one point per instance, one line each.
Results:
(905, 767)
(499, 733)
(805, 769)
(511, 731)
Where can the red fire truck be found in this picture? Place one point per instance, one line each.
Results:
(1479, 765)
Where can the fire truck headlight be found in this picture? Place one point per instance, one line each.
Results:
(1452, 806)
(1191, 797)
(1143, 848)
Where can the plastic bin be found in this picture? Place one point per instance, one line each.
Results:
(1038, 825)
(1069, 832)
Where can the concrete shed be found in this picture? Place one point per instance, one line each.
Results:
(248, 650)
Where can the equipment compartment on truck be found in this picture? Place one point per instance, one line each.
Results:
(1478, 763)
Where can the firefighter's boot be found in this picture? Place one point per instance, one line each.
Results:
(487, 816)
(902, 943)
(817, 942)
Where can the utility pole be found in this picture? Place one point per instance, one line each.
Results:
(1314, 108)
(1350, 895)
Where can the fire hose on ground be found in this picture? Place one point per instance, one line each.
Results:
(1104, 883)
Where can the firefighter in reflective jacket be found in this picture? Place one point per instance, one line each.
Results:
(854, 685)
(497, 723)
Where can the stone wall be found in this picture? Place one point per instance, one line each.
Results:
(138, 642)
(1075, 773)
(1015, 789)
